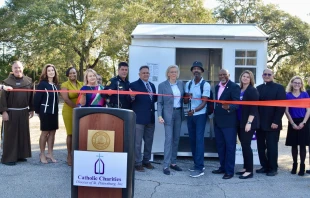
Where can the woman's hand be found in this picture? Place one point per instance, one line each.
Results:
(161, 120)
(301, 125)
(247, 127)
(295, 126)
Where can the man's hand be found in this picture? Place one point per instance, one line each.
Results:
(31, 114)
(225, 106)
(190, 113)
(5, 116)
(6, 88)
(274, 126)
(132, 95)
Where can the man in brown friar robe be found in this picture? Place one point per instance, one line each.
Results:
(16, 109)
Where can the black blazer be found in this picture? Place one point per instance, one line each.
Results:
(46, 102)
(250, 94)
(222, 117)
(142, 105)
(269, 115)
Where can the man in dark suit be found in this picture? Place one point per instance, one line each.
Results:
(143, 106)
(225, 120)
(270, 124)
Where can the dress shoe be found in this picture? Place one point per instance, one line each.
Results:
(10, 163)
(227, 176)
(294, 168)
(261, 170)
(218, 171)
(22, 160)
(166, 171)
(139, 168)
(176, 168)
(240, 173)
(246, 177)
(148, 166)
(272, 173)
(308, 171)
(301, 170)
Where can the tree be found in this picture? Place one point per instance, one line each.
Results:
(82, 33)
(288, 35)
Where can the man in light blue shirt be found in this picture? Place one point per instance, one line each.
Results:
(197, 118)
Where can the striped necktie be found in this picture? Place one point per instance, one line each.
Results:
(148, 87)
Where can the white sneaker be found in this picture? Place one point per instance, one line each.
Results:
(197, 173)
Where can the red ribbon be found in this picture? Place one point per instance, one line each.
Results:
(300, 103)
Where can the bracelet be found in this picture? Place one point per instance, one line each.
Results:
(293, 124)
(194, 110)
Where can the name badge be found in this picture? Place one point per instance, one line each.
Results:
(17, 83)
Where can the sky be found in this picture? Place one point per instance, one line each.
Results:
(298, 8)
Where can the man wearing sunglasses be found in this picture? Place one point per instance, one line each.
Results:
(270, 124)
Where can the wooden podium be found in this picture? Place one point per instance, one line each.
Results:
(122, 122)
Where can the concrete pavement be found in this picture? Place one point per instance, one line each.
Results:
(33, 179)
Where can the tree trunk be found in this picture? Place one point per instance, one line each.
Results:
(81, 70)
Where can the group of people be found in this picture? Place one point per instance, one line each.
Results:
(230, 119)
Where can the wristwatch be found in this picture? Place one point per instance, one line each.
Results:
(249, 122)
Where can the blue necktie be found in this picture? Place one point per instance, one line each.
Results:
(148, 87)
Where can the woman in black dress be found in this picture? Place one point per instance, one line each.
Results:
(46, 105)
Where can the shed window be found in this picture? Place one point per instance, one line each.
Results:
(245, 60)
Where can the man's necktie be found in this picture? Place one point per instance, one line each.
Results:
(148, 87)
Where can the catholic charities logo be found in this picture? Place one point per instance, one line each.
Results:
(99, 169)
(99, 166)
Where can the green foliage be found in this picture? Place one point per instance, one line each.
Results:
(288, 35)
(86, 34)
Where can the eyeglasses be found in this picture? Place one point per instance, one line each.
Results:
(146, 73)
(297, 83)
(266, 74)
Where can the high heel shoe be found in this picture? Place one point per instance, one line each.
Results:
(246, 177)
(294, 168)
(44, 161)
(50, 157)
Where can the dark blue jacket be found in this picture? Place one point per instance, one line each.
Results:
(46, 102)
(222, 117)
(142, 105)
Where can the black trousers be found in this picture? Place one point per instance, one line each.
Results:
(246, 139)
(267, 146)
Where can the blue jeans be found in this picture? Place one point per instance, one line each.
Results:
(196, 129)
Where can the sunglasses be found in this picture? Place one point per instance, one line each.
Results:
(266, 74)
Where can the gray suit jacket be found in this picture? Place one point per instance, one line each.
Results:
(165, 103)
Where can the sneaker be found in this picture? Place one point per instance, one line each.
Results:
(193, 169)
(196, 173)
(139, 168)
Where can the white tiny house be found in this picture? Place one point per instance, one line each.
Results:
(235, 47)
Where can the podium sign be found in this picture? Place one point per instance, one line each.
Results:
(98, 169)
(103, 157)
